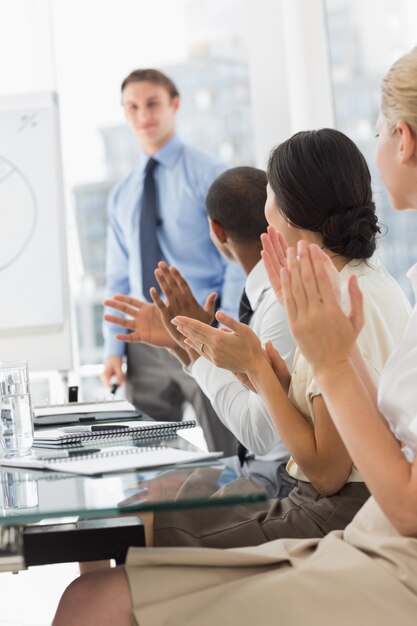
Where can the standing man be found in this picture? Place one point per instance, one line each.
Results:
(158, 213)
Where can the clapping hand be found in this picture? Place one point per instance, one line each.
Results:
(274, 255)
(278, 365)
(144, 322)
(236, 348)
(324, 333)
(179, 300)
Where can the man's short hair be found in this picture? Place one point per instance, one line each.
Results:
(236, 200)
(151, 76)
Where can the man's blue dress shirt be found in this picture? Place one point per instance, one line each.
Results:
(184, 176)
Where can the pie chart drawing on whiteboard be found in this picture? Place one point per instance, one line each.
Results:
(18, 213)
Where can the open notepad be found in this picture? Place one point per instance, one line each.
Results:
(75, 435)
(110, 460)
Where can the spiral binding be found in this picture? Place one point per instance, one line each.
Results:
(139, 432)
(146, 437)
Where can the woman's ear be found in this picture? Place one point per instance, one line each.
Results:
(408, 142)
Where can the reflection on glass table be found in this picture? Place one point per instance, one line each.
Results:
(32, 495)
(18, 492)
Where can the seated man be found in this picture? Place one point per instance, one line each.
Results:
(235, 206)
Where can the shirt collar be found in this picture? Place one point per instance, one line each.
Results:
(166, 156)
(359, 267)
(256, 283)
(412, 277)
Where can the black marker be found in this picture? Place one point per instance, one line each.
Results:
(103, 427)
(114, 388)
(90, 429)
(83, 452)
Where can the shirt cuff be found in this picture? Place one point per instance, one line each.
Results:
(198, 367)
(114, 347)
(189, 369)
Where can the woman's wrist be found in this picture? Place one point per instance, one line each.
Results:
(266, 382)
(256, 368)
(328, 374)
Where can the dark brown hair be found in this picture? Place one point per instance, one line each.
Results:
(151, 76)
(236, 200)
(322, 183)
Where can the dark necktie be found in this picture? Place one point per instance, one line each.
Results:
(245, 309)
(150, 250)
(245, 314)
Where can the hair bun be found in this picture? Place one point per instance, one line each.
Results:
(351, 231)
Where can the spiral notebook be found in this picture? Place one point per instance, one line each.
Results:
(70, 435)
(91, 462)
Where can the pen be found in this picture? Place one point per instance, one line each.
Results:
(83, 452)
(108, 427)
(114, 388)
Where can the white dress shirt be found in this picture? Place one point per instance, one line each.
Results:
(397, 389)
(241, 410)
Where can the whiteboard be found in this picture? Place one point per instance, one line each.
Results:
(35, 319)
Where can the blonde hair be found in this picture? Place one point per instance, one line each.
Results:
(399, 91)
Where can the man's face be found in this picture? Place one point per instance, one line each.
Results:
(150, 112)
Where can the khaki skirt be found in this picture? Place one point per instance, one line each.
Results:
(288, 582)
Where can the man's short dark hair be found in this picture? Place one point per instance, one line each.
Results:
(236, 200)
(151, 76)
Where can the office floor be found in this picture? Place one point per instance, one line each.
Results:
(31, 597)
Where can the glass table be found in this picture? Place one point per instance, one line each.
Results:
(33, 496)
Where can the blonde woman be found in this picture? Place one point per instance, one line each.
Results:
(364, 575)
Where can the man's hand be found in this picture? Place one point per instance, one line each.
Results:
(236, 348)
(113, 367)
(180, 300)
(144, 322)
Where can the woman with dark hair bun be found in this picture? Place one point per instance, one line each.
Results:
(322, 183)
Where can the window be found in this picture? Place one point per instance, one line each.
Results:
(364, 39)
